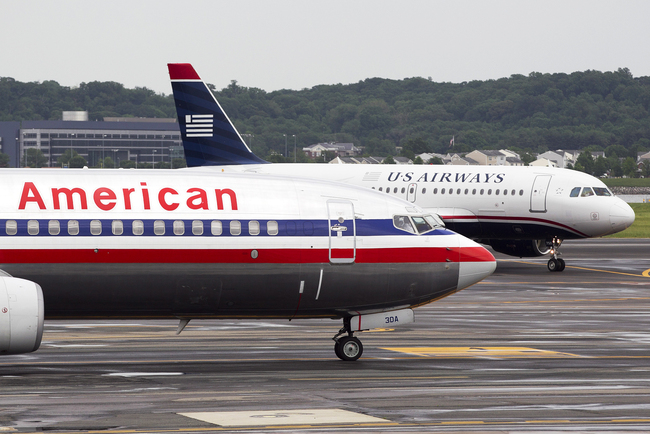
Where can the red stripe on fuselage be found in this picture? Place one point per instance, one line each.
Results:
(237, 256)
(475, 254)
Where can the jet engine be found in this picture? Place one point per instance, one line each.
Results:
(21, 315)
(521, 248)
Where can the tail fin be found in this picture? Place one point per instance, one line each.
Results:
(209, 138)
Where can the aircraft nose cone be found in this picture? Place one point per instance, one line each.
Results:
(621, 216)
(476, 263)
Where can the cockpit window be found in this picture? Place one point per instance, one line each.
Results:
(434, 220)
(601, 191)
(575, 192)
(587, 191)
(421, 224)
(418, 224)
(404, 223)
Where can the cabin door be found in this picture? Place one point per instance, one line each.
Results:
(538, 193)
(342, 231)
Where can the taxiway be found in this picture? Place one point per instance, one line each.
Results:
(524, 350)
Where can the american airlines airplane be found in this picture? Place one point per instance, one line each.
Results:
(519, 211)
(191, 243)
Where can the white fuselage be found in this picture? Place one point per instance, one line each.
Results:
(251, 238)
(484, 201)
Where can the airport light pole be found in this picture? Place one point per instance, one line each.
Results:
(114, 157)
(154, 158)
(103, 137)
(71, 139)
(285, 145)
(294, 148)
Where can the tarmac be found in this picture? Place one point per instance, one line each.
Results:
(526, 350)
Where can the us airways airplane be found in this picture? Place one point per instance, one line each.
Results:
(193, 243)
(519, 211)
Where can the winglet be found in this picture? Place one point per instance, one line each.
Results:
(209, 138)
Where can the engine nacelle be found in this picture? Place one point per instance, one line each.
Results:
(21, 316)
(521, 248)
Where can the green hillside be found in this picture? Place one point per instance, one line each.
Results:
(591, 109)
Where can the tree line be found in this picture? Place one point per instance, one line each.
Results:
(589, 110)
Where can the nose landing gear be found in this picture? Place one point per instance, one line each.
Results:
(347, 348)
(556, 263)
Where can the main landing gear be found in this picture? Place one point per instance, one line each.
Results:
(347, 348)
(555, 263)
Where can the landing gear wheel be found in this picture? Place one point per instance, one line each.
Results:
(337, 350)
(348, 348)
(555, 263)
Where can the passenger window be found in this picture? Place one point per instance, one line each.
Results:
(197, 227)
(482, 191)
(521, 192)
(395, 190)
(466, 191)
(473, 191)
(117, 227)
(451, 191)
(458, 191)
(179, 227)
(512, 193)
(159, 227)
(235, 227)
(442, 191)
(95, 227)
(404, 190)
(496, 192)
(505, 192)
(32, 227)
(216, 227)
(73, 227)
(435, 191)
(489, 191)
(575, 192)
(137, 227)
(272, 227)
(53, 227)
(11, 227)
(587, 191)
(254, 227)
(380, 189)
(424, 190)
(404, 223)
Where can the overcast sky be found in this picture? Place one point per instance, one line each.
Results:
(276, 44)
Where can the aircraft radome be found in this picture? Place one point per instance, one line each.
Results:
(519, 211)
(192, 243)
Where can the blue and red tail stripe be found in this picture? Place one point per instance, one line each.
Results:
(209, 138)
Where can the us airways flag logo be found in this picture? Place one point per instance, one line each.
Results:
(198, 125)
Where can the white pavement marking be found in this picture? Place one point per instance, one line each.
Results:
(279, 417)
